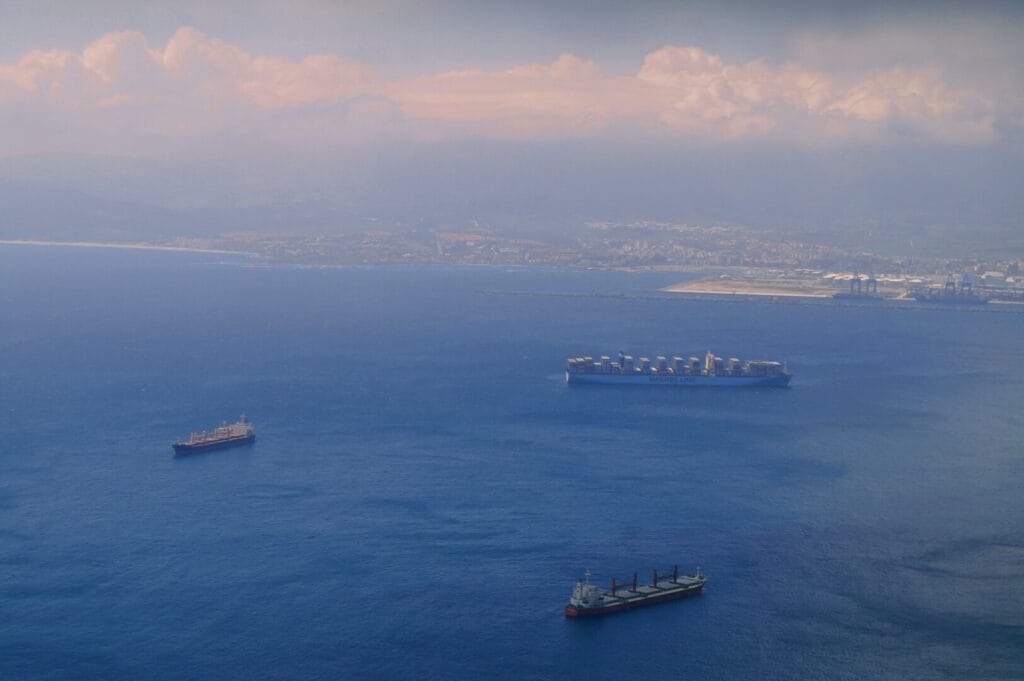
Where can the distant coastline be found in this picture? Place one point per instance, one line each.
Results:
(749, 288)
(116, 245)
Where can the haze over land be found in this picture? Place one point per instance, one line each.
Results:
(885, 130)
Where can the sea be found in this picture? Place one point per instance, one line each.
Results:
(425, 489)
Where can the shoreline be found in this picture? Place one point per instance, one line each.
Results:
(120, 246)
(763, 293)
(767, 294)
(702, 288)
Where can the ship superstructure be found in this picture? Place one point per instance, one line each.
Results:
(677, 370)
(589, 600)
(226, 435)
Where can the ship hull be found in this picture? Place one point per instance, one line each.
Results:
(181, 448)
(694, 381)
(633, 603)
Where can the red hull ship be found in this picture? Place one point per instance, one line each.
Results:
(589, 600)
(233, 435)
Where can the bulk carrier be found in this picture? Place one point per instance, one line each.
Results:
(589, 600)
(713, 371)
(233, 435)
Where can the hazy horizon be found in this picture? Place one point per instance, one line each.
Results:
(134, 122)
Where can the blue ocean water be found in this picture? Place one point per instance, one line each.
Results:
(425, 489)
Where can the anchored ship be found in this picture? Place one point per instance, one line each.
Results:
(677, 371)
(222, 437)
(589, 600)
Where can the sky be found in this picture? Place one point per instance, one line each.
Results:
(740, 112)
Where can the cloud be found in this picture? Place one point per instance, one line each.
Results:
(196, 85)
(568, 96)
(702, 94)
(191, 65)
(211, 67)
(919, 101)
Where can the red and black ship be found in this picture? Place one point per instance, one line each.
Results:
(222, 437)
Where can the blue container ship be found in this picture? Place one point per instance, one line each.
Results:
(713, 371)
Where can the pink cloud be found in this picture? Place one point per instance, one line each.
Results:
(210, 66)
(568, 95)
(919, 99)
(191, 64)
(197, 84)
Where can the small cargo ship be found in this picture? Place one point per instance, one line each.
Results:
(589, 600)
(222, 437)
(713, 371)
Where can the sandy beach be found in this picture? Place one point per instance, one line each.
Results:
(749, 288)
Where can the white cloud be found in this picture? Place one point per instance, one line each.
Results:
(120, 87)
(921, 101)
(213, 68)
(569, 95)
